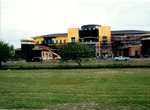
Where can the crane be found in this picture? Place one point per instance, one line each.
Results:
(57, 56)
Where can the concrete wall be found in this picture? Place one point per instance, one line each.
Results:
(73, 32)
(105, 31)
(132, 51)
(38, 39)
(61, 38)
(45, 55)
(97, 49)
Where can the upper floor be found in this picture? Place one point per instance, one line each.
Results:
(91, 34)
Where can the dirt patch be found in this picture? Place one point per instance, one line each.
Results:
(106, 72)
(129, 72)
(73, 106)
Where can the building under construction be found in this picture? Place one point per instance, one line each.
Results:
(107, 43)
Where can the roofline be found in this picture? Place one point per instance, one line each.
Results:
(52, 35)
(129, 32)
(30, 40)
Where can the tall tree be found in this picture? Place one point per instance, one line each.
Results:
(76, 52)
(6, 51)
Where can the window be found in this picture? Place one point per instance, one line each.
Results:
(45, 42)
(64, 41)
(49, 41)
(105, 55)
(105, 46)
(115, 53)
(52, 41)
(104, 38)
(138, 37)
(97, 54)
(60, 41)
(119, 53)
(73, 39)
(136, 52)
(56, 41)
(41, 42)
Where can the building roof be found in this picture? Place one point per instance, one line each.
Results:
(90, 26)
(53, 35)
(128, 32)
(27, 40)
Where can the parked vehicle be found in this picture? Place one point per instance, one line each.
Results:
(120, 58)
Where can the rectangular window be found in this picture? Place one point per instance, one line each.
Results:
(104, 38)
(73, 39)
(52, 41)
(97, 54)
(60, 41)
(64, 41)
(136, 52)
(104, 46)
(45, 42)
(41, 42)
(57, 41)
(105, 55)
(49, 41)
(138, 37)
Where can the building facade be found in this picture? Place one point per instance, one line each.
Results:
(107, 43)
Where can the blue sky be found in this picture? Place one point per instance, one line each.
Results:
(28, 18)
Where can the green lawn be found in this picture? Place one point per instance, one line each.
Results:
(92, 63)
(114, 89)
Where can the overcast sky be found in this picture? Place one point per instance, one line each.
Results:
(28, 18)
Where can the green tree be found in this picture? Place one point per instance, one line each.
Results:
(6, 51)
(76, 52)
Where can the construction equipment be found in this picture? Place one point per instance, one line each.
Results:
(46, 48)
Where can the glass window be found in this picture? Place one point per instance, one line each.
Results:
(136, 52)
(49, 41)
(64, 41)
(138, 37)
(97, 54)
(73, 39)
(45, 42)
(104, 38)
(105, 55)
(104, 45)
(56, 41)
(41, 42)
(60, 41)
(119, 53)
(52, 41)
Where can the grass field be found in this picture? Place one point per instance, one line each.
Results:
(92, 63)
(78, 89)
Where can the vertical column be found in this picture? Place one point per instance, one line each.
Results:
(73, 33)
